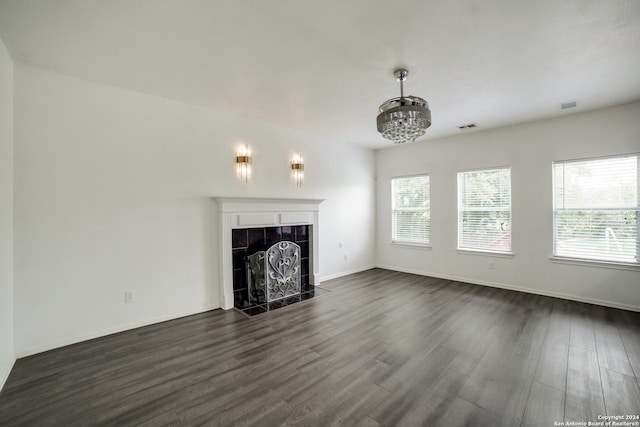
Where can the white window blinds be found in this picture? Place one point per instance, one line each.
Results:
(410, 210)
(484, 210)
(596, 209)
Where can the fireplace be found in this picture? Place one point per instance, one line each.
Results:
(269, 263)
(249, 225)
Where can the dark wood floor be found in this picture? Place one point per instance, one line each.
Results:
(384, 348)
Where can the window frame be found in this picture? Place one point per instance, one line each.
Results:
(596, 262)
(484, 251)
(396, 242)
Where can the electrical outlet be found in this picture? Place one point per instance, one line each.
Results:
(492, 266)
(129, 296)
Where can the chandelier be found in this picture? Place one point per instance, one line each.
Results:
(405, 118)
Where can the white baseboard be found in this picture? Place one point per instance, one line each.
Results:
(570, 297)
(74, 340)
(345, 273)
(4, 374)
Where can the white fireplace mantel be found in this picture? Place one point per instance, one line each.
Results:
(236, 212)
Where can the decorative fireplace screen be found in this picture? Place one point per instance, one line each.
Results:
(273, 274)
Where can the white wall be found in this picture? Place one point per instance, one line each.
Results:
(113, 192)
(529, 149)
(7, 356)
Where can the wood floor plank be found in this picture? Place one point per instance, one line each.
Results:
(631, 342)
(582, 333)
(627, 323)
(545, 406)
(382, 349)
(435, 401)
(584, 399)
(612, 353)
(353, 399)
(552, 366)
(621, 393)
(531, 340)
(501, 386)
(461, 413)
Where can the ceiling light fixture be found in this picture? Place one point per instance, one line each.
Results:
(405, 118)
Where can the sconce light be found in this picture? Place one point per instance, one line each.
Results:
(297, 170)
(243, 163)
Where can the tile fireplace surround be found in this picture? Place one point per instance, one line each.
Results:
(253, 243)
(247, 213)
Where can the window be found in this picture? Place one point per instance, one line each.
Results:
(484, 210)
(410, 210)
(596, 209)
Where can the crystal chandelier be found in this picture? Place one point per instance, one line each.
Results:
(405, 118)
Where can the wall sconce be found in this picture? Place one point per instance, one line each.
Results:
(243, 163)
(297, 170)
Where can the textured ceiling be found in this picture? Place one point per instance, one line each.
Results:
(326, 66)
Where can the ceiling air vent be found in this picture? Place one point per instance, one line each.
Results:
(469, 126)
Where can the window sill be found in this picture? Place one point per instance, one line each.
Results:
(485, 253)
(596, 263)
(424, 247)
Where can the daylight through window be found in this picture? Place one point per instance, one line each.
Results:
(410, 210)
(484, 210)
(596, 209)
